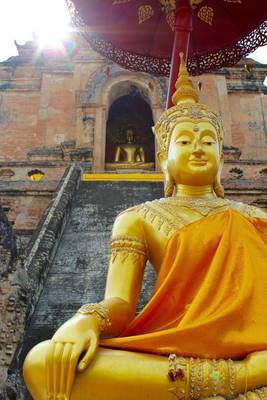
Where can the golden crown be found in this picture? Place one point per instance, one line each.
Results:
(186, 108)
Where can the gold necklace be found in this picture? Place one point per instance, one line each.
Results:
(201, 205)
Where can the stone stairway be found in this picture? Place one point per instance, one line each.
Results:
(78, 271)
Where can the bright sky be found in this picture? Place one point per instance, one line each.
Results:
(49, 19)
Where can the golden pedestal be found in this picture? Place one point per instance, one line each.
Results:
(129, 166)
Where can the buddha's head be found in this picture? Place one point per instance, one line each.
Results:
(129, 135)
(190, 139)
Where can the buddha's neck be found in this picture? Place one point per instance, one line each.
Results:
(205, 192)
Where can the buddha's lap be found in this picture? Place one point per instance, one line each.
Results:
(104, 359)
(119, 368)
(113, 359)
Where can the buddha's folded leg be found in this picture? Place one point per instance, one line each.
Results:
(117, 374)
(113, 374)
(144, 376)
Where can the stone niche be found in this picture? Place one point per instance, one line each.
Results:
(130, 113)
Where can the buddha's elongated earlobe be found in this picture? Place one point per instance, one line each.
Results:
(169, 184)
(217, 186)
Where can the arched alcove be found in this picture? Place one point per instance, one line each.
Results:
(130, 111)
(102, 95)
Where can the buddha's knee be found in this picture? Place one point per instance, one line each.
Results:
(34, 370)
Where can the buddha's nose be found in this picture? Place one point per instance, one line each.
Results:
(198, 150)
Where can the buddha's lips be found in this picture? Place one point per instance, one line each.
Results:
(198, 162)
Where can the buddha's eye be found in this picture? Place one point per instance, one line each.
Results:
(183, 142)
(207, 140)
(208, 143)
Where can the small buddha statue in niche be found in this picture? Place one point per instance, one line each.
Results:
(129, 152)
(203, 333)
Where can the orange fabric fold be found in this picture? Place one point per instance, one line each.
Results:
(210, 298)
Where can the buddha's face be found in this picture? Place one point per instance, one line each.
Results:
(194, 156)
(129, 136)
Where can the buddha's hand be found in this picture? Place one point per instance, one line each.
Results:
(78, 336)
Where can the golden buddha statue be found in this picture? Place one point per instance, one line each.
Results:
(203, 333)
(129, 152)
(129, 155)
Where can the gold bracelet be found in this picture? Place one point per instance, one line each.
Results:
(232, 377)
(100, 311)
(202, 377)
(176, 367)
(178, 370)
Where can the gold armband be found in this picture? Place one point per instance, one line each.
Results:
(127, 246)
(100, 311)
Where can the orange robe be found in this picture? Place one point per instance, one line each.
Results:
(210, 298)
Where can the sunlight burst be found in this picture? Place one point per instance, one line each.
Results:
(52, 25)
(48, 21)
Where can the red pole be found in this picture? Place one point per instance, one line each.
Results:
(182, 30)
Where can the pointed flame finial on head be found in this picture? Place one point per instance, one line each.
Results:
(185, 91)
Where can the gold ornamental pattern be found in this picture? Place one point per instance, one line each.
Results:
(144, 13)
(206, 14)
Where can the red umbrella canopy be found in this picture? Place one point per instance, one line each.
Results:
(139, 34)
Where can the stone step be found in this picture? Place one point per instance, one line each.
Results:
(79, 269)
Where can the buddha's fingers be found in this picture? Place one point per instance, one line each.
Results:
(64, 367)
(57, 366)
(75, 354)
(90, 353)
(49, 370)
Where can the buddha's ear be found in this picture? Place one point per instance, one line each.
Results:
(221, 164)
(217, 186)
(168, 181)
(161, 156)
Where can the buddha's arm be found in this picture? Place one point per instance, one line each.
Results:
(142, 154)
(80, 334)
(117, 154)
(126, 268)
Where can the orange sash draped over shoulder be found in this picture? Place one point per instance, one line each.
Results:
(210, 298)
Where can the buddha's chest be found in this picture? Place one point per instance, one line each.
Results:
(130, 152)
(163, 218)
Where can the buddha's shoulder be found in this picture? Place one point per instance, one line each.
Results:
(128, 221)
(137, 212)
(134, 220)
(131, 212)
(247, 210)
(142, 207)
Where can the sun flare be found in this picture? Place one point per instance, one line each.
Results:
(52, 23)
(48, 21)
